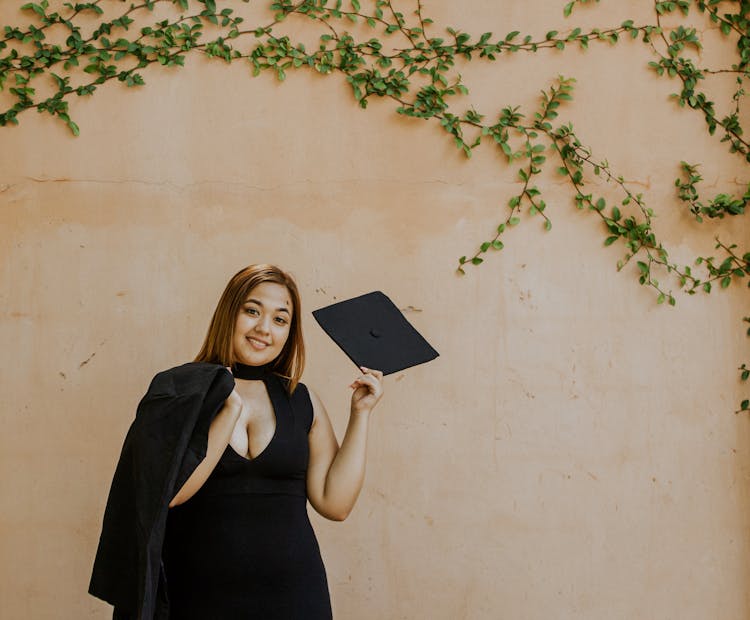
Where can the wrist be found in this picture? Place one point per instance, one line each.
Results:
(359, 413)
(233, 405)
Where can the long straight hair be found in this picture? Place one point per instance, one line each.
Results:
(217, 347)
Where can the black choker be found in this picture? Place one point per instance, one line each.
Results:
(245, 371)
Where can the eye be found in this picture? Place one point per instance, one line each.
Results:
(281, 320)
(251, 310)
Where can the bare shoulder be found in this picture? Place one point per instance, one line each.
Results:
(319, 410)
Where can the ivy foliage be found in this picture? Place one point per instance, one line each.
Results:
(384, 53)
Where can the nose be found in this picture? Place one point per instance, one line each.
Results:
(263, 324)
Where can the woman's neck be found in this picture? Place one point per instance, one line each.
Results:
(246, 371)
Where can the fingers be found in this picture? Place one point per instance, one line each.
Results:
(371, 379)
(375, 373)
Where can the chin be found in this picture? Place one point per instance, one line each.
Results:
(255, 359)
(252, 361)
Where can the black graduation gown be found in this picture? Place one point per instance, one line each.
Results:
(165, 443)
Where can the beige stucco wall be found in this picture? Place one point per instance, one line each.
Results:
(571, 455)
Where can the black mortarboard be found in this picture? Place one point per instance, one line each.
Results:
(371, 330)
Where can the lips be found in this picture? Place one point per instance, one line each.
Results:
(257, 344)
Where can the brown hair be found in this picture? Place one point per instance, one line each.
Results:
(217, 347)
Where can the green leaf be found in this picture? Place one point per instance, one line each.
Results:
(726, 281)
(34, 7)
(611, 240)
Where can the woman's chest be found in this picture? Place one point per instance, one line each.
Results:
(257, 424)
(269, 440)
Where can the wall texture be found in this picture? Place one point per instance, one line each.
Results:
(571, 455)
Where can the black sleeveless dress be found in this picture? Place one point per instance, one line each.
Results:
(242, 548)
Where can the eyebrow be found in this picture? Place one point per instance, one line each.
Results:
(255, 301)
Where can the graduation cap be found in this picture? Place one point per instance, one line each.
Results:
(371, 330)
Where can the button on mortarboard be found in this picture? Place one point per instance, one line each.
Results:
(374, 333)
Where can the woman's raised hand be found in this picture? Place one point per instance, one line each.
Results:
(368, 389)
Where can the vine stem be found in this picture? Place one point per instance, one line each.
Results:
(735, 134)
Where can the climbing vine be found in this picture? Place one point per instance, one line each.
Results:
(72, 49)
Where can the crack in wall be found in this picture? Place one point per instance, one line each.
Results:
(238, 183)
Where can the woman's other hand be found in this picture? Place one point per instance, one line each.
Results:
(368, 389)
(234, 400)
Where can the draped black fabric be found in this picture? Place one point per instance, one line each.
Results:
(165, 443)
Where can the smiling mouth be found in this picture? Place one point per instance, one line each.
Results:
(257, 344)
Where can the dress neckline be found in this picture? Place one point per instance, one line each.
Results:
(276, 395)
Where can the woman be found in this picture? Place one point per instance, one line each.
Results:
(238, 541)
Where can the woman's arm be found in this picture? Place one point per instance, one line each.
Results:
(218, 437)
(335, 474)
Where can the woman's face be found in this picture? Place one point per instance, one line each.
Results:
(262, 325)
